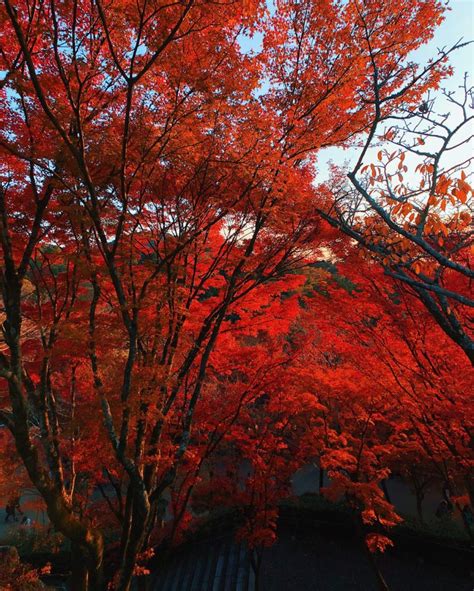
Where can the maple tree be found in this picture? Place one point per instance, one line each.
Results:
(157, 207)
(411, 209)
(365, 393)
(381, 396)
(406, 397)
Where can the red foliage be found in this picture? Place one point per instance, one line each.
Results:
(169, 340)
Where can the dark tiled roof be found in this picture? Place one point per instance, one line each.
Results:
(220, 565)
(308, 558)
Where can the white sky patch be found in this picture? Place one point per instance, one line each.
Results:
(458, 24)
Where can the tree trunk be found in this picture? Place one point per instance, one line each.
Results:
(381, 583)
(127, 521)
(48, 483)
(470, 489)
(96, 574)
(419, 505)
(256, 557)
(385, 490)
(86, 570)
(133, 546)
(60, 513)
(79, 580)
(465, 522)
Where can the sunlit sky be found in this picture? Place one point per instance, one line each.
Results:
(458, 24)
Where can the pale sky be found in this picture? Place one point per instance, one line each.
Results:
(459, 23)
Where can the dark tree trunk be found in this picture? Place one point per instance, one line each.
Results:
(467, 527)
(470, 489)
(321, 479)
(419, 505)
(79, 580)
(256, 557)
(127, 520)
(385, 490)
(381, 583)
(133, 546)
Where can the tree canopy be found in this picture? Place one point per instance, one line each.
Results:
(181, 298)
